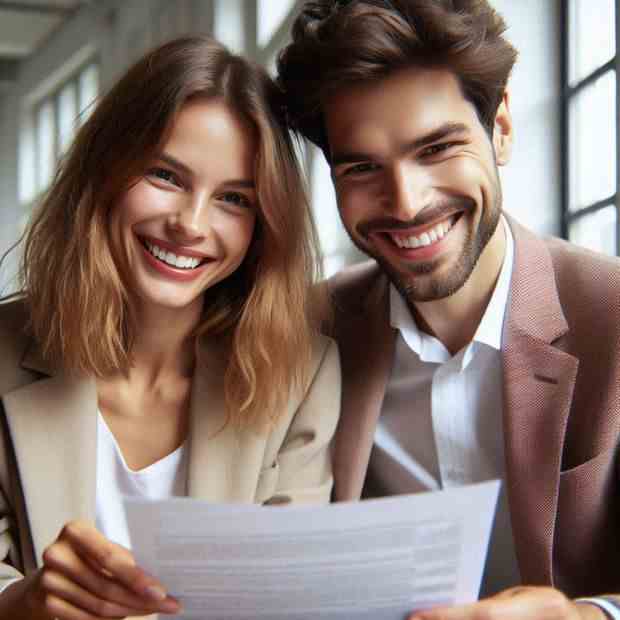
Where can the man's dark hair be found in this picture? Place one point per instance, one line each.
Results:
(340, 42)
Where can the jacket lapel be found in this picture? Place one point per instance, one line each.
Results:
(538, 387)
(367, 342)
(52, 423)
(224, 463)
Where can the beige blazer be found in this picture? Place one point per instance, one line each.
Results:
(561, 390)
(48, 444)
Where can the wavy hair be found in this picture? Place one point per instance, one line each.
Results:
(79, 305)
(340, 42)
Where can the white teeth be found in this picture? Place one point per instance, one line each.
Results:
(180, 262)
(426, 238)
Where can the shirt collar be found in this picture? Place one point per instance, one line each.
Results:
(489, 331)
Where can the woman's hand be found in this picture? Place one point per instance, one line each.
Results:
(87, 577)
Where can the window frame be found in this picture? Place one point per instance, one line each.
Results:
(568, 94)
(31, 123)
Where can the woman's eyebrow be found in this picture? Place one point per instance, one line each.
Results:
(175, 163)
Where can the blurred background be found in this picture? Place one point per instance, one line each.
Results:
(57, 56)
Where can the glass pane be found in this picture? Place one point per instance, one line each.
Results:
(592, 32)
(229, 26)
(27, 160)
(67, 116)
(88, 89)
(45, 145)
(270, 16)
(596, 231)
(593, 143)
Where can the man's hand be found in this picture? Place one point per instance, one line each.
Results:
(521, 603)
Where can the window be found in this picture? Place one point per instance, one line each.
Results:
(48, 128)
(590, 120)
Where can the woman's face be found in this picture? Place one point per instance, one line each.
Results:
(188, 222)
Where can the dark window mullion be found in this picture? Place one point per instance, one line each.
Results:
(571, 216)
(599, 72)
(564, 120)
(617, 66)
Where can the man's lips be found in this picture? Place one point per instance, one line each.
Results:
(414, 237)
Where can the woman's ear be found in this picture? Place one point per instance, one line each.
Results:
(502, 132)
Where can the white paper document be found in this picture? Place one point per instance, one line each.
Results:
(370, 560)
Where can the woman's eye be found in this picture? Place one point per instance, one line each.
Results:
(234, 198)
(162, 174)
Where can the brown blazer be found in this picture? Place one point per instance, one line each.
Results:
(561, 371)
(48, 444)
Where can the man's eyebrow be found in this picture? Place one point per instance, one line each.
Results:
(179, 165)
(444, 131)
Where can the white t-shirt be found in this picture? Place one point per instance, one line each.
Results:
(164, 478)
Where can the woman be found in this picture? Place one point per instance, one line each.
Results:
(163, 343)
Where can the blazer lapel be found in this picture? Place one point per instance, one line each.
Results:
(367, 342)
(538, 386)
(52, 423)
(224, 462)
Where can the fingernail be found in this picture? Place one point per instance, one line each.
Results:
(172, 606)
(155, 592)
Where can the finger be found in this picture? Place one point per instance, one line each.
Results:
(62, 558)
(516, 604)
(113, 559)
(59, 585)
(62, 610)
(458, 612)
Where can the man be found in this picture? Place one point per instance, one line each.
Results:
(477, 349)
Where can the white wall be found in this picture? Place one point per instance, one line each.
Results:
(531, 181)
(8, 183)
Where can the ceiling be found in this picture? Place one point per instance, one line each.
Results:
(24, 26)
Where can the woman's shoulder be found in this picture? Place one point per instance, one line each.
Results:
(14, 341)
(322, 347)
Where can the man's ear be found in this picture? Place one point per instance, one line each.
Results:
(502, 132)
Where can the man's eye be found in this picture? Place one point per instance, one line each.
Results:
(364, 168)
(435, 149)
(234, 198)
(162, 174)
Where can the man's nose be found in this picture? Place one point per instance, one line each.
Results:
(409, 191)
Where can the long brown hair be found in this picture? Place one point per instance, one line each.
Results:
(339, 42)
(80, 309)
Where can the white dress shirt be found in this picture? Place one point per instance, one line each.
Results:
(442, 415)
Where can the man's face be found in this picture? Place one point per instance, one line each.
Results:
(416, 177)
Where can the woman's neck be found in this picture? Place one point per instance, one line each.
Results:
(163, 344)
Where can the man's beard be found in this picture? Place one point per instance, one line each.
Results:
(428, 288)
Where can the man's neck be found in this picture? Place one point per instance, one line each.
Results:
(455, 319)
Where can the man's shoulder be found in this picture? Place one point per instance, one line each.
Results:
(353, 287)
(579, 274)
(584, 278)
(587, 284)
